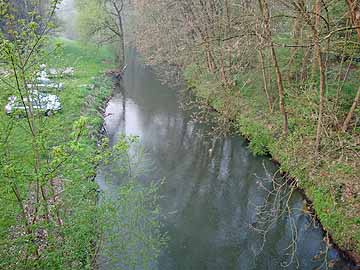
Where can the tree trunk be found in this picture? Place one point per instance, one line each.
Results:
(321, 65)
(266, 90)
(351, 112)
(355, 17)
(297, 33)
(266, 15)
(355, 14)
(210, 59)
(118, 7)
(317, 13)
(304, 66)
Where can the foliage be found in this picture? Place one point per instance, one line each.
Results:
(129, 215)
(91, 17)
(131, 225)
(286, 73)
(260, 141)
(68, 156)
(101, 21)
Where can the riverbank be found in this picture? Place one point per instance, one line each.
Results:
(68, 243)
(330, 181)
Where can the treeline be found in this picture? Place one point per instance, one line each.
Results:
(28, 11)
(229, 36)
(292, 67)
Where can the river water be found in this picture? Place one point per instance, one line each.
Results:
(212, 187)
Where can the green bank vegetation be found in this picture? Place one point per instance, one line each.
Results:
(47, 163)
(53, 215)
(287, 73)
(48, 205)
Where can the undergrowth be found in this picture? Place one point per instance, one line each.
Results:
(331, 181)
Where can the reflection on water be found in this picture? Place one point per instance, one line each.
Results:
(211, 188)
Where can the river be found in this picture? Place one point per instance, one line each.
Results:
(212, 187)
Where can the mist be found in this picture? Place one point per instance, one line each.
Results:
(67, 14)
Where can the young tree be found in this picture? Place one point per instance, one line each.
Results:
(102, 22)
(264, 9)
(321, 65)
(32, 232)
(355, 17)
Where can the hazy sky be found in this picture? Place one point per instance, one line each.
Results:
(67, 14)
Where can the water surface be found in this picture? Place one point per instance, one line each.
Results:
(212, 187)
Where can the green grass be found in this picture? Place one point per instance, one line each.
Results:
(79, 209)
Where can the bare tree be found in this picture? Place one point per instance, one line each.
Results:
(355, 17)
(264, 9)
